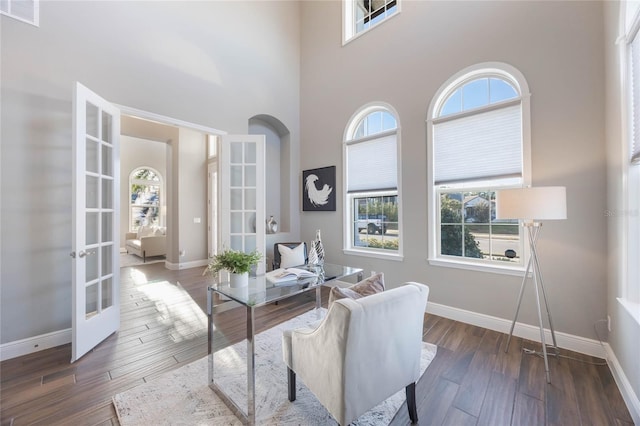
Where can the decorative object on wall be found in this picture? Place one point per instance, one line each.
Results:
(318, 189)
(272, 225)
(532, 205)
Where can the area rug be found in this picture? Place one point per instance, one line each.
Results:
(182, 396)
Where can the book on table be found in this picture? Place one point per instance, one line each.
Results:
(289, 274)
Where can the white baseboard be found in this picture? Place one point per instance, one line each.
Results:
(629, 396)
(34, 344)
(185, 265)
(529, 332)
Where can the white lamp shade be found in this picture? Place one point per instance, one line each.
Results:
(540, 203)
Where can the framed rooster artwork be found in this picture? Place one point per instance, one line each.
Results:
(319, 189)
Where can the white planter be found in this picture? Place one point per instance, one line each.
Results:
(238, 280)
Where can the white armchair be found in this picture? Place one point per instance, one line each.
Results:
(363, 352)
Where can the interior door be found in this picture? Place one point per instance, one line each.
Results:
(95, 239)
(242, 194)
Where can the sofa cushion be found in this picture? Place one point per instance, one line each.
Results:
(372, 285)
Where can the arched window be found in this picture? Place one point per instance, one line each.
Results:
(371, 154)
(478, 142)
(145, 186)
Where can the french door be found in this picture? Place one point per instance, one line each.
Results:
(95, 239)
(242, 195)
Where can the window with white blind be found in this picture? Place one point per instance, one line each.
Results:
(361, 15)
(372, 212)
(632, 210)
(477, 144)
(23, 10)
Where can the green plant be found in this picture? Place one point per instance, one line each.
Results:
(236, 262)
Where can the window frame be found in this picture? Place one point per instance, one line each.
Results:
(348, 209)
(630, 247)
(456, 81)
(159, 182)
(36, 12)
(349, 31)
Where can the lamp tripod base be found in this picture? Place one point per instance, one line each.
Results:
(533, 265)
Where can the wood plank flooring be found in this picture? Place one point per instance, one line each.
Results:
(472, 381)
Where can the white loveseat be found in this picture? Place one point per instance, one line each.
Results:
(364, 351)
(148, 241)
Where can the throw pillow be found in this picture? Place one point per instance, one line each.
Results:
(372, 285)
(290, 257)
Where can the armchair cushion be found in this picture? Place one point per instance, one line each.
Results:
(372, 285)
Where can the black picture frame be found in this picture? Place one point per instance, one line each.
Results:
(319, 189)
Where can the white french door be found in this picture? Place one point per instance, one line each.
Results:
(242, 194)
(95, 239)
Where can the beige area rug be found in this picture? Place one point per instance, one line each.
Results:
(182, 396)
(127, 259)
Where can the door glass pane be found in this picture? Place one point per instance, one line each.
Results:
(91, 228)
(107, 227)
(91, 302)
(106, 127)
(236, 222)
(236, 175)
(107, 260)
(236, 199)
(92, 156)
(250, 223)
(92, 120)
(250, 243)
(92, 192)
(107, 193)
(250, 176)
(250, 152)
(236, 242)
(249, 199)
(236, 153)
(91, 264)
(107, 293)
(107, 163)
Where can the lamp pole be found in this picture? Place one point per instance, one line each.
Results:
(533, 230)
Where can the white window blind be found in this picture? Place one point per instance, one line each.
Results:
(372, 164)
(635, 99)
(486, 145)
(22, 10)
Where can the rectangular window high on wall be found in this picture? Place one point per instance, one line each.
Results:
(371, 184)
(361, 15)
(23, 10)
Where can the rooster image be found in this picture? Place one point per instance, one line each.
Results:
(318, 197)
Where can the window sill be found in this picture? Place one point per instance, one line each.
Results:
(505, 270)
(379, 255)
(632, 308)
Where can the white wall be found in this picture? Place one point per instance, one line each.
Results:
(625, 331)
(211, 63)
(558, 46)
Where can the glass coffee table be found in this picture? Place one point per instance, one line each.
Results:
(260, 292)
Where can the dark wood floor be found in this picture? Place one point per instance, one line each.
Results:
(470, 382)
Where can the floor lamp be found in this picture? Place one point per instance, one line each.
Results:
(532, 205)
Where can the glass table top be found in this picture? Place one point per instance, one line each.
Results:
(261, 291)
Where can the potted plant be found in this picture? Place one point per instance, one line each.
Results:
(238, 264)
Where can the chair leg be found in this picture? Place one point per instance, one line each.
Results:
(411, 402)
(291, 380)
